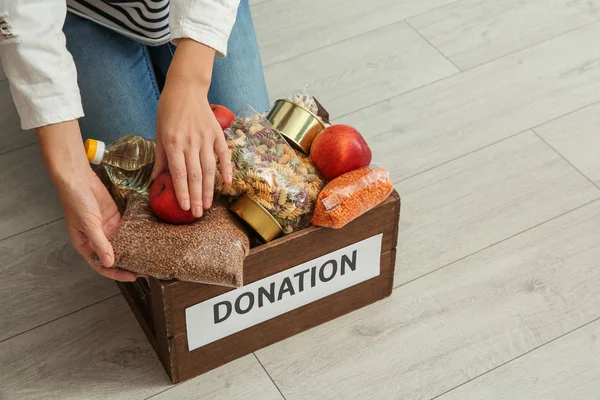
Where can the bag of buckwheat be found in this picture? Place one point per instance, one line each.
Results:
(211, 250)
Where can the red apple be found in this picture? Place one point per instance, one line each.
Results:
(339, 149)
(224, 116)
(163, 202)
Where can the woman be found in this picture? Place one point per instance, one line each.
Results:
(109, 59)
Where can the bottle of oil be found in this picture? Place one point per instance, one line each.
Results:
(128, 161)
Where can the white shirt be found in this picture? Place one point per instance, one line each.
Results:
(41, 72)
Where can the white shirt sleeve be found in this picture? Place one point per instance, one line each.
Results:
(206, 21)
(40, 70)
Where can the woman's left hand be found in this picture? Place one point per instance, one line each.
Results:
(187, 132)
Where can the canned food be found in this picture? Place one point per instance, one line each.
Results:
(257, 217)
(296, 123)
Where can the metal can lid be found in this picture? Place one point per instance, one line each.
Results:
(257, 217)
(296, 123)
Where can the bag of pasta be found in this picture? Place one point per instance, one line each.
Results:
(269, 171)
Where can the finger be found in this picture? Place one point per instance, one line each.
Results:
(160, 160)
(115, 274)
(112, 223)
(85, 249)
(194, 170)
(224, 155)
(101, 245)
(209, 167)
(179, 174)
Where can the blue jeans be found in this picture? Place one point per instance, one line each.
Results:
(120, 79)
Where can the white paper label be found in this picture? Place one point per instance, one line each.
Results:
(277, 294)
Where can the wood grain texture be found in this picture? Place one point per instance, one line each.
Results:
(576, 136)
(97, 353)
(472, 32)
(392, 60)
(100, 353)
(567, 369)
(28, 197)
(44, 278)
(243, 379)
(475, 201)
(288, 28)
(11, 136)
(455, 324)
(190, 364)
(432, 125)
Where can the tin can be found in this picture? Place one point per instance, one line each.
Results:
(257, 217)
(296, 123)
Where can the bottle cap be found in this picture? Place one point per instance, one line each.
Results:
(95, 151)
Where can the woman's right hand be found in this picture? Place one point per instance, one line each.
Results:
(90, 212)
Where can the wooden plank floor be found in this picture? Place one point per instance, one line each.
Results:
(486, 113)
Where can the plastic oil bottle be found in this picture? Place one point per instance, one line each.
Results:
(128, 161)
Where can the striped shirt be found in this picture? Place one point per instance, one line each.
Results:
(146, 21)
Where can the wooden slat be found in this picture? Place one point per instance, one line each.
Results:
(565, 369)
(97, 353)
(577, 138)
(28, 196)
(453, 325)
(243, 379)
(427, 127)
(289, 28)
(11, 136)
(44, 278)
(471, 203)
(101, 353)
(391, 60)
(471, 32)
(282, 327)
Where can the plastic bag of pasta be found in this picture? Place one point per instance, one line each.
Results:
(268, 170)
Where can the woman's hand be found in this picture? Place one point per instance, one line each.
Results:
(90, 212)
(187, 132)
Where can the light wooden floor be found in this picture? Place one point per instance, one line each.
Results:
(487, 114)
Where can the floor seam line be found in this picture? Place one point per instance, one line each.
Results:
(162, 391)
(269, 375)
(405, 20)
(469, 69)
(30, 229)
(61, 317)
(519, 356)
(534, 44)
(498, 242)
(463, 155)
(458, 69)
(565, 115)
(17, 148)
(565, 159)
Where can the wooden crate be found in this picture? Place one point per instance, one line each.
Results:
(160, 306)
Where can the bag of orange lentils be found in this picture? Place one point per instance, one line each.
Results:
(350, 195)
